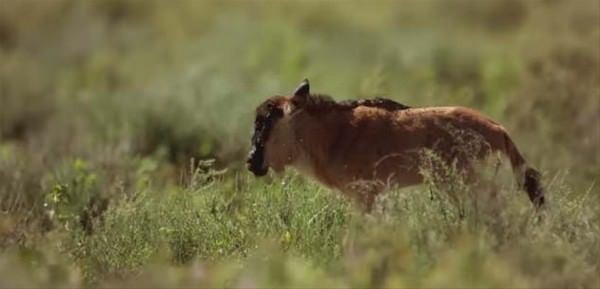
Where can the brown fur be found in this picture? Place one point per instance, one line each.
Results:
(362, 147)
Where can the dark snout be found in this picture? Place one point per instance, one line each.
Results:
(256, 161)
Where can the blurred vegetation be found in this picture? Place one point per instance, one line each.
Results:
(108, 110)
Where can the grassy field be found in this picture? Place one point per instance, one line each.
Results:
(124, 125)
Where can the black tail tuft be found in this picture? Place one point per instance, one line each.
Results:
(533, 187)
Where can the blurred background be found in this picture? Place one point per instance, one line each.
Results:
(127, 87)
(180, 79)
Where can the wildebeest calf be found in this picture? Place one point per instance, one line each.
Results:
(376, 141)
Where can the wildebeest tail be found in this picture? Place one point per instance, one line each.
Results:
(527, 177)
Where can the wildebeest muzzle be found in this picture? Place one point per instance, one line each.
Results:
(256, 160)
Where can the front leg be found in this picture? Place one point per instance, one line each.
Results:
(363, 193)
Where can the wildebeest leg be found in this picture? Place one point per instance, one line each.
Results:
(363, 193)
(460, 185)
(482, 187)
(366, 200)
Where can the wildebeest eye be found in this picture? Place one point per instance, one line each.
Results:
(275, 114)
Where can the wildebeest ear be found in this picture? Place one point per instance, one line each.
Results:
(303, 90)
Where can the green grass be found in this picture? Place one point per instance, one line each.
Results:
(230, 230)
(110, 111)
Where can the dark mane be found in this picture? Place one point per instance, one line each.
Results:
(320, 102)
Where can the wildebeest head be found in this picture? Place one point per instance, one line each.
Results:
(267, 115)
